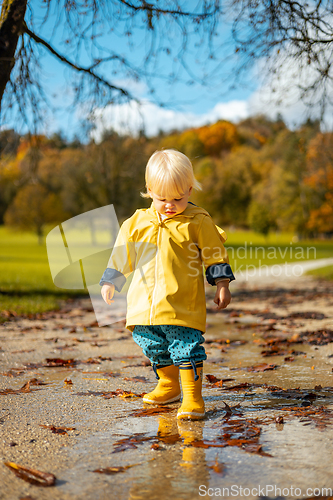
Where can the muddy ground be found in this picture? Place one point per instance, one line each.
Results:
(70, 404)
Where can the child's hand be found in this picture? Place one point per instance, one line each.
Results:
(222, 295)
(108, 292)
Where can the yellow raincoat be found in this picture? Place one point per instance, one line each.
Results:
(166, 259)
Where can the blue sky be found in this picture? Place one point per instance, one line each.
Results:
(185, 105)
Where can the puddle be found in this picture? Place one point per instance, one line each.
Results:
(307, 370)
(297, 443)
(276, 441)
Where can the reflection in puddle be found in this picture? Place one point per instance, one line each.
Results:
(274, 436)
(264, 429)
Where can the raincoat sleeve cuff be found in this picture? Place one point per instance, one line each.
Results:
(114, 277)
(219, 271)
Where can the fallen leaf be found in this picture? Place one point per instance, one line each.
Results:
(25, 388)
(56, 362)
(32, 476)
(227, 408)
(217, 467)
(113, 470)
(150, 411)
(217, 382)
(130, 442)
(143, 363)
(95, 361)
(93, 324)
(241, 432)
(240, 387)
(256, 448)
(58, 430)
(104, 374)
(22, 351)
(120, 393)
(138, 378)
(13, 372)
(261, 367)
(306, 315)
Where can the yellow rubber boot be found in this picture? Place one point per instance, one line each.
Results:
(167, 389)
(193, 406)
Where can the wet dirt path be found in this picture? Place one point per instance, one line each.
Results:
(268, 390)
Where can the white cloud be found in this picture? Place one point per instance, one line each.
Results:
(131, 118)
(281, 92)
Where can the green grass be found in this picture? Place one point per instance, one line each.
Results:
(248, 248)
(323, 273)
(26, 284)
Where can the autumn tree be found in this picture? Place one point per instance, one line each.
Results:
(36, 179)
(187, 141)
(261, 217)
(288, 192)
(319, 179)
(227, 186)
(218, 137)
(111, 172)
(9, 176)
(32, 208)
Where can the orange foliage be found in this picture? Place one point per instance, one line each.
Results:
(320, 180)
(220, 136)
(26, 145)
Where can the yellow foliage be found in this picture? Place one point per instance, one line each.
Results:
(32, 207)
(320, 180)
(262, 139)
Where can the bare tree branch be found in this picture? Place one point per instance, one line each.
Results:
(64, 59)
(109, 44)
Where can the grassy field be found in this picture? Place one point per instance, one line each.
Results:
(26, 284)
(323, 273)
(247, 248)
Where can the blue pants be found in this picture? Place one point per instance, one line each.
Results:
(170, 344)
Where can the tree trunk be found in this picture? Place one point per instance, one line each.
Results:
(11, 20)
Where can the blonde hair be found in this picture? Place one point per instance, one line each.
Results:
(169, 173)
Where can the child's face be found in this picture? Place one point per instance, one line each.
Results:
(170, 207)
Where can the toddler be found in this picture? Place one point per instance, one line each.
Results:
(165, 247)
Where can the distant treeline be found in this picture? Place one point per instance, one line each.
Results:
(257, 174)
